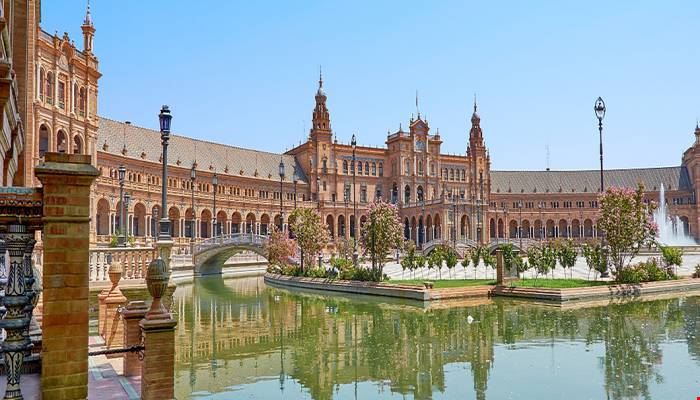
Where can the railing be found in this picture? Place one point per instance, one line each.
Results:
(231, 239)
(134, 260)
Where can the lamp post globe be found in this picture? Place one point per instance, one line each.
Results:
(164, 118)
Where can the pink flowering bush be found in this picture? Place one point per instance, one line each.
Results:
(626, 222)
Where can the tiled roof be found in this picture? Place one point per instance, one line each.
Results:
(673, 178)
(147, 141)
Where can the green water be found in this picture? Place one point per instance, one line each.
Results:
(239, 339)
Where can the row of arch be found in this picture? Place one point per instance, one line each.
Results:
(62, 142)
(142, 222)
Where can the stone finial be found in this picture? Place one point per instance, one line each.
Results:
(157, 282)
(115, 272)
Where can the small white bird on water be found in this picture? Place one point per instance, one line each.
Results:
(470, 319)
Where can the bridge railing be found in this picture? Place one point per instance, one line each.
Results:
(231, 239)
(134, 260)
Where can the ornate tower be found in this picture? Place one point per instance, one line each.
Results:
(479, 168)
(88, 31)
(320, 136)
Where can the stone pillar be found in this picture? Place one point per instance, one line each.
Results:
(113, 328)
(132, 315)
(66, 180)
(158, 329)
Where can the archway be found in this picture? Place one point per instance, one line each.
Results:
(562, 231)
(236, 222)
(43, 140)
(61, 142)
(329, 226)
(587, 228)
(139, 220)
(341, 226)
(501, 233)
(394, 193)
(539, 231)
(221, 223)
(525, 229)
(413, 229)
(102, 217)
(250, 223)
(438, 226)
(205, 221)
(576, 228)
(406, 229)
(429, 228)
(407, 194)
(265, 227)
(464, 227)
(492, 228)
(174, 217)
(189, 223)
(419, 193)
(550, 228)
(421, 230)
(513, 229)
(155, 218)
(77, 145)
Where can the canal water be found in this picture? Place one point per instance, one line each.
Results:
(241, 339)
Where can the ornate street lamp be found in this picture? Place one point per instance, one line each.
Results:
(520, 224)
(539, 205)
(127, 198)
(121, 240)
(353, 144)
(164, 117)
(193, 177)
(281, 172)
(215, 182)
(599, 109)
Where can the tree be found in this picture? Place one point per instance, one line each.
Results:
(311, 234)
(345, 248)
(489, 259)
(280, 248)
(465, 265)
(626, 221)
(450, 260)
(596, 258)
(476, 256)
(420, 261)
(381, 235)
(436, 259)
(409, 259)
(672, 257)
(566, 252)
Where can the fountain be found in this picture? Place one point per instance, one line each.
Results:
(672, 230)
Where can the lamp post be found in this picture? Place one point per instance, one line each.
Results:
(295, 179)
(520, 223)
(121, 240)
(506, 236)
(164, 117)
(539, 205)
(422, 217)
(599, 109)
(454, 222)
(281, 172)
(127, 198)
(193, 177)
(479, 228)
(353, 143)
(215, 182)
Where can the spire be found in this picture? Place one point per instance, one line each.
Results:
(88, 17)
(475, 115)
(320, 77)
(321, 118)
(417, 108)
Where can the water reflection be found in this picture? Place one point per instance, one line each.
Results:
(241, 338)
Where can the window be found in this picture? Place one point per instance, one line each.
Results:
(381, 169)
(593, 204)
(42, 80)
(567, 204)
(352, 167)
(61, 94)
(554, 204)
(324, 186)
(325, 167)
(432, 169)
(345, 166)
(580, 204)
(82, 101)
(407, 167)
(452, 174)
(49, 88)
(374, 169)
(363, 193)
(464, 175)
(346, 192)
(366, 168)
(420, 167)
(378, 192)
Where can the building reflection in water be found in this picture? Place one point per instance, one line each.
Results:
(239, 335)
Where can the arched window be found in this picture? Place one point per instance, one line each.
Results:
(42, 83)
(77, 145)
(74, 97)
(82, 100)
(420, 167)
(432, 169)
(407, 167)
(407, 194)
(452, 174)
(43, 140)
(464, 175)
(374, 169)
(381, 169)
(49, 87)
(345, 166)
(366, 168)
(61, 142)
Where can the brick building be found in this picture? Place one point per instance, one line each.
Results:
(439, 195)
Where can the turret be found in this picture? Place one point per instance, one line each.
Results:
(88, 31)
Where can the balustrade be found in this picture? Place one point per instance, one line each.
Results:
(134, 260)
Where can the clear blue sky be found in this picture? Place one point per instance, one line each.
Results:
(245, 73)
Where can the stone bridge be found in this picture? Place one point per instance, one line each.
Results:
(210, 254)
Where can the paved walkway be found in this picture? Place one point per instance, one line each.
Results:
(105, 380)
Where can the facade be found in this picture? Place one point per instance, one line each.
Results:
(440, 196)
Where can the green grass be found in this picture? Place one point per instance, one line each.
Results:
(557, 283)
(444, 283)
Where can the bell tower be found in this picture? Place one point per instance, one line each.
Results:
(88, 31)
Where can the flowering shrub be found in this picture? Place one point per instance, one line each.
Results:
(626, 222)
(280, 248)
(311, 234)
(646, 271)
